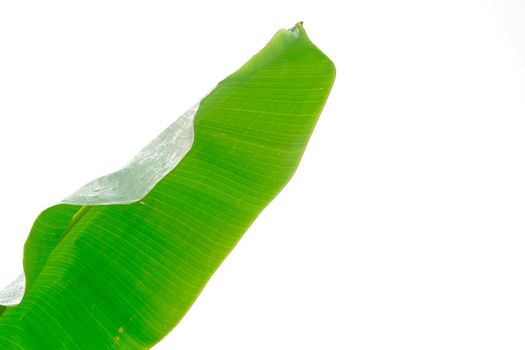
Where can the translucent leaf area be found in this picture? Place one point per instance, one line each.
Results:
(140, 175)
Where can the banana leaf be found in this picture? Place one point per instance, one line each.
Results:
(120, 272)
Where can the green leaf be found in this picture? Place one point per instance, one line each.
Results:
(123, 275)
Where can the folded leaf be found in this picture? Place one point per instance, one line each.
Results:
(123, 275)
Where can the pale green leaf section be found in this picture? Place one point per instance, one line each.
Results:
(13, 293)
(135, 180)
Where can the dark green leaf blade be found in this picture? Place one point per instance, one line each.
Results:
(122, 276)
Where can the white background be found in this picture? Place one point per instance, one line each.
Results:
(404, 227)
